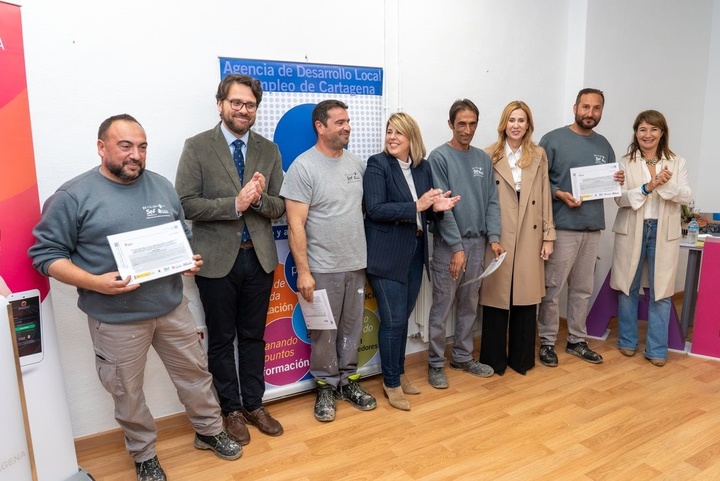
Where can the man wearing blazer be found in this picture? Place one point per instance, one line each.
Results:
(228, 180)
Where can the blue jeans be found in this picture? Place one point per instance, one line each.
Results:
(396, 301)
(656, 345)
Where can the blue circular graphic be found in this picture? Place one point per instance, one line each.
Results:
(291, 272)
(294, 133)
(298, 324)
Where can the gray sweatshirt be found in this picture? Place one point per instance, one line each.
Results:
(468, 174)
(75, 223)
(565, 150)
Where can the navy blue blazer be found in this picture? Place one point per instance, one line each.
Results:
(390, 216)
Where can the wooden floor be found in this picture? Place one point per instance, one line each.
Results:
(621, 420)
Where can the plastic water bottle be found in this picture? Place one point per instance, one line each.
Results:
(693, 231)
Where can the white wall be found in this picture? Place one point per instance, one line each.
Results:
(88, 60)
(707, 197)
(650, 54)
(491, 52)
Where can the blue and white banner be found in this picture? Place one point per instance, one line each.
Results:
(290, 92)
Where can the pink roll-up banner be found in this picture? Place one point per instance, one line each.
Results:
(32, 328)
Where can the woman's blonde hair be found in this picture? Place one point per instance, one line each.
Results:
(528, 146)
(407, 126)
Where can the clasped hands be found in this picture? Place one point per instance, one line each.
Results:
(662, 177)
(439, 200)
(250, 193)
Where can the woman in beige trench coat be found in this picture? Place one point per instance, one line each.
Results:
(647, 231)
(511, 294)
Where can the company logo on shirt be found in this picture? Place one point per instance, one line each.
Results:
(600, 159)
(354, 177)
(156, 211)
(478, 172)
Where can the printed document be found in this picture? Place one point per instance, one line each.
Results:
(595, 182)
(152, 253)
(318, 314)
(492, 267)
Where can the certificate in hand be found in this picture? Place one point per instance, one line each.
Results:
(492, 267)
(595, 182)
(318, 314)
(152, 253)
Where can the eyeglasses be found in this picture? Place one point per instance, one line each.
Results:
(238, 105)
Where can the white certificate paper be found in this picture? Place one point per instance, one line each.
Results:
(152, 253)
(318, 314)
(595, 182)
(492, 267)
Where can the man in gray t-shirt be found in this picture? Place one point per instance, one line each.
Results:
(323, 203)
(332, 187)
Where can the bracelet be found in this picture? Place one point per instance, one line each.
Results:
(644, 190)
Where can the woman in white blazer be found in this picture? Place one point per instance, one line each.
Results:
(647, 232)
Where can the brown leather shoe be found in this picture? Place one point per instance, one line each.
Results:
(261, 419)
(236, 428)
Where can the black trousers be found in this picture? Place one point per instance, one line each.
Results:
(520, 353)
(236, 306)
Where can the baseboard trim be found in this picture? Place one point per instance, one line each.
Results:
(115, 438)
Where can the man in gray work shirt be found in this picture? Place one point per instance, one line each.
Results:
(459, 242)
(578, 225)
(126, 319)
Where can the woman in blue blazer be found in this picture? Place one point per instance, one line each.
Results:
(398, 195)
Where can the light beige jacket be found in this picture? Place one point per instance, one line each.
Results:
(526, 223)
(628, 227)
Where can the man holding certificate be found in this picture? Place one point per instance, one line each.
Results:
(460, 239)
(577, 224)
(323, 192)
(126, 319)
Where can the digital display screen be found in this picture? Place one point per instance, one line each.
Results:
(26, 314)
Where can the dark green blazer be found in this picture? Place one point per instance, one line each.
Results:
(208, 182)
